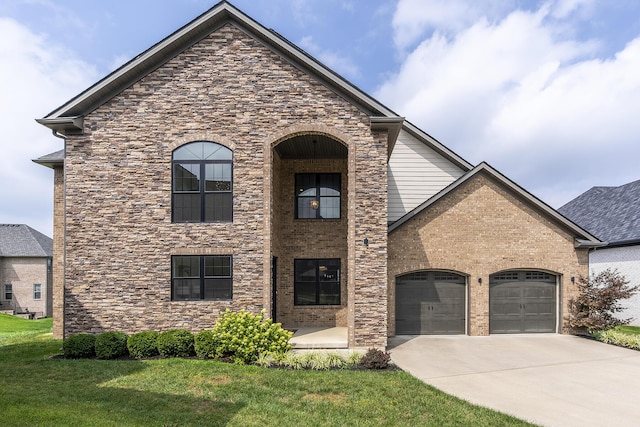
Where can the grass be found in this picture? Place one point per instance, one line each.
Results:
(38, 390)
(15, 328)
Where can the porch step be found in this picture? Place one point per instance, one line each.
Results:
(319, 338)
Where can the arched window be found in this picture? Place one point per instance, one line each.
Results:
(202, 183)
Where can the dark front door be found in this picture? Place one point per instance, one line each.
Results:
(430, 303)
(274, 287)
(522, 302)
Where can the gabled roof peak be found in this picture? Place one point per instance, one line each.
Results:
(583, 237)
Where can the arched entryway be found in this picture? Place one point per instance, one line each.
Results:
(309, 228)
(522, 301)
(430, 303)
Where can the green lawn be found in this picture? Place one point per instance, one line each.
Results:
(14, 328)
(38, 390)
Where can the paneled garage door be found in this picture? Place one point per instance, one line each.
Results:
(430, 302)
(522, 302)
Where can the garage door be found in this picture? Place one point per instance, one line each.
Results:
(430, 302)
(522, 302)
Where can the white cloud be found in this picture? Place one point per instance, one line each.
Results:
(338, 63)
(36, 76)
(415, 18)
(517, 93)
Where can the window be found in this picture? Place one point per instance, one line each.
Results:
(202, 183)
(317, 282)
(37, 291)
(201, 278)
(8, 292)
(318, 195)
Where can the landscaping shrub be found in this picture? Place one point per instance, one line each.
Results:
(598, 301)
(242, 336)
(619, 338)
(375, 359)
(79, 346)
(175, 343)
(143, 345)
(206, 345)
(111, 345)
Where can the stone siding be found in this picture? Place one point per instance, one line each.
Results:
(57, 266)
(480, 229)
(230, 89)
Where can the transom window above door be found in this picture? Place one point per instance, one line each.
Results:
(318, 195)
(202, 183)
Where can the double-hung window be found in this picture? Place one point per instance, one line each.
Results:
(8, 292)
(317, 195)
(202, 183)
(317, 282)
(207, 277)
(37, 291)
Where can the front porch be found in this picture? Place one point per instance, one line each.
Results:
(320, 338)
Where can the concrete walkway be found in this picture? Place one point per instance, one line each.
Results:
(548, 379)
(320, 338)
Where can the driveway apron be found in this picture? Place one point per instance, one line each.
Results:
(548, 379)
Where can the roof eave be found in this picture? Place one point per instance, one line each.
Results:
(72, 125)
(392, 125)
(588, 244)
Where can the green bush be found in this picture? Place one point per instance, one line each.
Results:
(206, 345)
(242, 336)
(79, 346)
(175, 343)
(111, 345)
(143, 345)
(375, 359)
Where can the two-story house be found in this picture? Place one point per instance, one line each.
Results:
(224, 167)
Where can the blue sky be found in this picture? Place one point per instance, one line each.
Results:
(548, 92)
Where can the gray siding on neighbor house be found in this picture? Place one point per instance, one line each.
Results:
(416, 172)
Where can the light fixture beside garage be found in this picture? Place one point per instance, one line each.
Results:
(480, 280)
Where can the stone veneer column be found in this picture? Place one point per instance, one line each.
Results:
(58, 253)
(368, 262)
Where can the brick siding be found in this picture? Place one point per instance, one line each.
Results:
(477, 230)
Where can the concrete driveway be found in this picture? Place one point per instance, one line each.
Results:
(548, 379)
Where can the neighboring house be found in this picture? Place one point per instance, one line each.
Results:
(25, 271)
(224, 167)
(612, 214)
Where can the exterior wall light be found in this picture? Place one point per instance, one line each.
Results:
(366, 241)
(480, 280)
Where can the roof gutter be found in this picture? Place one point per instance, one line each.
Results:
(588, 244)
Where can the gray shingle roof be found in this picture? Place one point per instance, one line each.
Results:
(19, 240)
(610, 213)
